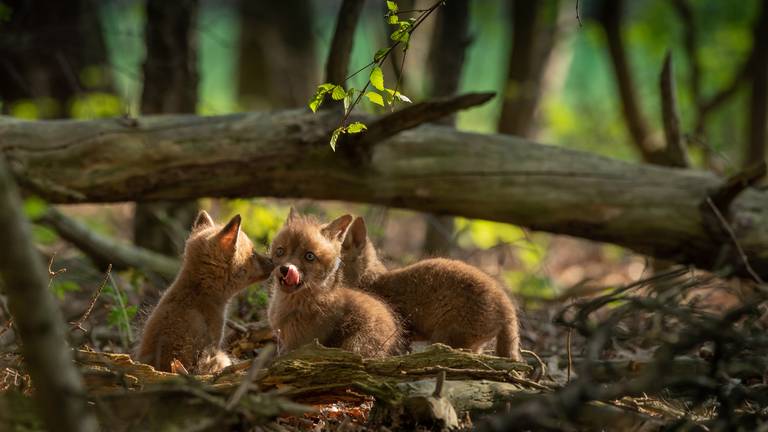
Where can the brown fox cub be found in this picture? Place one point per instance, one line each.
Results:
(309, 300)
(439, 300)
(188, 322)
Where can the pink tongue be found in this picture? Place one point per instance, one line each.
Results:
(292, 277)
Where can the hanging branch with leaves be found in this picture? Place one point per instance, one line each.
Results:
(380, 95)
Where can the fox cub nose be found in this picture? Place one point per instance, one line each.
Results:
(283, 270)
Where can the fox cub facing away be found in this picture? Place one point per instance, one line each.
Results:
(309, 300)
(188, 322)
(439, 300)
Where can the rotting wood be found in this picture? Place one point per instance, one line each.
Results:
(653, 210)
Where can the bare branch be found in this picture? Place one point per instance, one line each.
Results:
(420, 113)
(78, 325)
(674, 152)
(107, 252)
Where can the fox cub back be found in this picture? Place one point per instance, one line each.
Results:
(309, 300)
(188, 322)
(439, 300)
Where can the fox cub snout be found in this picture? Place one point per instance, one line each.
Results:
(310, 300)
(188, 322)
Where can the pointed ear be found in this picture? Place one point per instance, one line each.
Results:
(357, 235)
(337, 228)
(292, 215)
(227, 237)
(203, 220)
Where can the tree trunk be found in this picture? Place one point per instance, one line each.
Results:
(58, 384)
(651, 209)
(170, 86)
(446, 63)
(533, 37)
(758, 105)
(45, 50)
(277, 61)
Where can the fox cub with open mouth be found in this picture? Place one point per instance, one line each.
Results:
(309, 300)
(188, 323)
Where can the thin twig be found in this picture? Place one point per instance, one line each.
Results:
(52, 274)
(78, 325)
(570, 356)
(542, 366)
(727, 227)
(245, 385)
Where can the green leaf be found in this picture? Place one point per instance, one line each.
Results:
(392, 6)
(338, 93)
(393, 19)
(393, 94)
(335, 136)
(380, 54)
(377, 78)
(356, 127)
(319, 95)
(375, 98)
(34, 207)
(402, 34)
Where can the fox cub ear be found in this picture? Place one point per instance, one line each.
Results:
(292, 215)
(337, 228)
(357, 235)
(203, 220)
(227, 237)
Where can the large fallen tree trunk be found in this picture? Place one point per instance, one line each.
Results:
(654, 210)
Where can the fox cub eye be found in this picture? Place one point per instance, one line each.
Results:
(309, 256)
(279, 252)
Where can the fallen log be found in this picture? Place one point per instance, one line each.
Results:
(653, 210)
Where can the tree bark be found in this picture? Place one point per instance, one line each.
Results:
(170, 86)
(277, 62)
(45, 49)
(532, 41)
(343, 38)
(758, 105)
(610, 18)
(650, 209)
(446, 63)
(58, 385)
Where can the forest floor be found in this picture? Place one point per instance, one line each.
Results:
(579, 270)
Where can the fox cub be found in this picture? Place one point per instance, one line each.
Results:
(309, 300)
(439, 300)
(188, 322)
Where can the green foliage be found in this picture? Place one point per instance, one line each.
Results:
(377, 78)
(34, 207)
(257, 297)
(260, 221)
(60, 289)
(35, 109)
(400, 36)
(5, 12)
(96, 105)
(319, 96)
(486, 234)
(375, 98)
(120, 312)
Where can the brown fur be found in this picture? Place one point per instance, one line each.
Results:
(439, 300)
(321, 307)
(188, 322)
